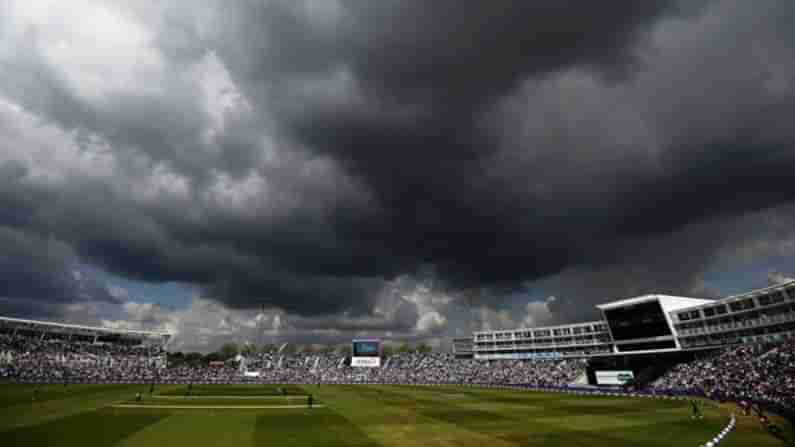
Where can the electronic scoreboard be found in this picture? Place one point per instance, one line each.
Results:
(366, 353)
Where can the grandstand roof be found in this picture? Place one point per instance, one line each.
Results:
(668, 302)
(764, 290)
(86, 328)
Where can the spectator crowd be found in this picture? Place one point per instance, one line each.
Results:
(759, 372)
(33, 359)
(753, 372)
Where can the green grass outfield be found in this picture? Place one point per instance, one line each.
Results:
(352, 415)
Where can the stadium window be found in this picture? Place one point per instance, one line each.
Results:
(720, 309)
(778, 297)
(695, 314)
(652, 345)
(709, 312)
(748, 304)
(764, 300)
(736, 306)
(775, 311)
(684, 316)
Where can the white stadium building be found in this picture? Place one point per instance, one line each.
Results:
(648, 324)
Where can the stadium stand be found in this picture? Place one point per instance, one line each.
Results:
(37, 351)
(756, 372)
(751, 366)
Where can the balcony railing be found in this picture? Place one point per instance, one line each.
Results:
(760, 322)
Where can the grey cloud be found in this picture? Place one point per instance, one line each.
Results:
(570, 144)
(37, 275)
(443, 52)
(778, 278)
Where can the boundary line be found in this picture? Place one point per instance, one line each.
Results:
(166, 396)
(216, 407)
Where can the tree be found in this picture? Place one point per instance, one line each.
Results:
(269, 347)
(248, 349)
(404, 348)
(175, 359)
(228, 351)
(193, 358)
(424, 348)
(345, 350)
(289, 349)
(388, 350)
(327, 349)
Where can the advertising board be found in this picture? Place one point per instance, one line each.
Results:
(614, 377)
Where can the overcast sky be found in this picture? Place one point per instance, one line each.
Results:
(316, 170)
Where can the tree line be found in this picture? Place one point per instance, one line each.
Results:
(228, 352)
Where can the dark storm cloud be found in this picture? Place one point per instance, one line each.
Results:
(425, 163)
(37, 276)
(448, 54)
(19, 204)
(674, 263)
(494, 143)
(135, 242)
